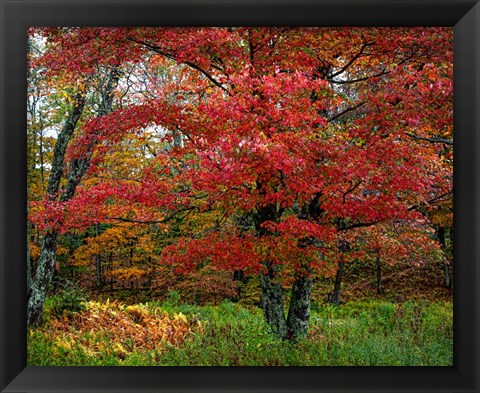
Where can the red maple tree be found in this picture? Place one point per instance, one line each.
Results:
(296, 135)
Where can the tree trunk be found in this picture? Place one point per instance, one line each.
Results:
(271, 290)
(98, 271)
(272, 302)
(42, 164)
(299, 310)
(43, 276)
(379, 274)
(446, 264)
(46, 263)
(448, 275)
(98, 264)
(28, 261)
(334, 297)
(239, 275)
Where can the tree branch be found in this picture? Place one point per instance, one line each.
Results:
(345, 111)
(171, 56)
(432, 139)
(360, 225)
(352, 60)
(435, 199)
(162, 221)
(351, 189)
(345, 82)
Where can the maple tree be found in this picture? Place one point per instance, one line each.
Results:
(293, 137)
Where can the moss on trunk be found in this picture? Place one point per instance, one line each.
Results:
(272, 302)
(43, 276)
(299, 310)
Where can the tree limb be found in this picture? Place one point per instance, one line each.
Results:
(352, 60)
(345, 82)
(432, 139)
(345, 111)
(171, 56)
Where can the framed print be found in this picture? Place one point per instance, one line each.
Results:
(242, 184)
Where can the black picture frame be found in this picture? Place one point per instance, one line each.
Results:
(17, 15)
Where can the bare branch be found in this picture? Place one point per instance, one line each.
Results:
(432, 139)
(352, 60)
(345, 111)
(345, 82)
(351, 189)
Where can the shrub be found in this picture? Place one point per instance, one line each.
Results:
(69, 301)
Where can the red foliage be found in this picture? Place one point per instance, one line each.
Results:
(276, 118)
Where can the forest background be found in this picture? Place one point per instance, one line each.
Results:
(196, 194)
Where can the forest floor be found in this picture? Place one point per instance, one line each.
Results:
(409, 324)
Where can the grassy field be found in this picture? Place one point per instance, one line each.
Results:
(368, 333)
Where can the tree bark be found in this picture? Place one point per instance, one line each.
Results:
(43, 276)
(448, 279)
(334, 297)
(343, 247)
(448, 275)
(62, 143)
(271, 290)
(299, 310)
(29, 262)
(272, 301)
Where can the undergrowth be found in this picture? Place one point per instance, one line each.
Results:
(370, 333)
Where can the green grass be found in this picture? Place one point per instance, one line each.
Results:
(372, 333)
